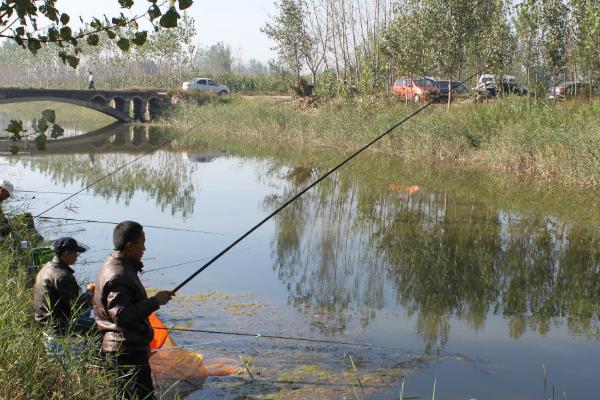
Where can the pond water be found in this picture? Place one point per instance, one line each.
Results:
(487, 286)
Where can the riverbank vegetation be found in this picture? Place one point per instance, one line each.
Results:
(358, 46)
(26, 370)
(552, 142)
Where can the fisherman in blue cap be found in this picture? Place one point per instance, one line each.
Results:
(59, 302)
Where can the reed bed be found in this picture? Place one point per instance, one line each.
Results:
(552, 142)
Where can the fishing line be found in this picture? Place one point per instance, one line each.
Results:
(220, 341)
(51, 192)
(331, 171)
(187, 262)
(85, 261)
(104, 177)
(91, 221)
(259, 335)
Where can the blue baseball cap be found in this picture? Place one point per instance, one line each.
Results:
(67, 243)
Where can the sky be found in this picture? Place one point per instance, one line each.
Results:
(234, 22)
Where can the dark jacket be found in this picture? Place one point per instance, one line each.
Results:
(4, 226)
(56, 294)
(121, 306)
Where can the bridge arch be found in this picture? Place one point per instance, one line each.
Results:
(138, 108)
(121, 104)
(137, 135)
(103, 108)
(99, 100)
(154, 107)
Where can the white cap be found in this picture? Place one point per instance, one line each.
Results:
(6, 185)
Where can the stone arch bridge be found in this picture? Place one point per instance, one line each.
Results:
(124, 105)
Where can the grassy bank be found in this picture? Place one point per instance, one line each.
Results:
(26, 371)
(552, 142)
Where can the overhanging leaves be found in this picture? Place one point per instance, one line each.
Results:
(154, 12)
(93, 40)
(123, 44)
(57, 131)
(40, 142)
(49, 115)
(169, 19)
(183, 4)
(140, 38)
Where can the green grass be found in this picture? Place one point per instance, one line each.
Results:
(26, 371)
(548, 142)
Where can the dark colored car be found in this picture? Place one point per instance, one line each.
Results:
(458, 87)
(415, 89)
(487, 86)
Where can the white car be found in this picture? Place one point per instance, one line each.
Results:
(206, 85)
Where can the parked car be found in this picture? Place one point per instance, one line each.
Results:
(567, 89)
(458, 87)
(206, 85)
(415, 89)
(487, 86)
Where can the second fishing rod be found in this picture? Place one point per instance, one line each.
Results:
(315, 183)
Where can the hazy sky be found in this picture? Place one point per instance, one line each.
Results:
(235, 22)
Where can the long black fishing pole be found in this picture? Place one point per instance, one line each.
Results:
(259, 335)
(91, 221)
(315, 183)
(104, 177)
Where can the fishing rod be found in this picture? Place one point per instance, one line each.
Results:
(91, 221)
(315, 183)
(104, 177)
(259, 335)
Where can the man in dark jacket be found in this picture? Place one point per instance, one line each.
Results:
(57, 297)
(122, 308)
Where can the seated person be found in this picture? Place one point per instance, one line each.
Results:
(6, 191)
(21, 227)
(57, 297)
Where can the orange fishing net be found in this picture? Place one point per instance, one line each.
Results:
(161, 334)
(223, 367)
(182, 371)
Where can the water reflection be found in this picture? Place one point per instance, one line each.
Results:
(164, 176)
(356, 245)
(365, 242)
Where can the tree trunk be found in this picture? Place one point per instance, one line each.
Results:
(449, 93)
(575, 79)
(528, 82)
(589, 74)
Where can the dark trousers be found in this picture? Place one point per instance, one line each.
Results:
(91, 86)
(134, 377)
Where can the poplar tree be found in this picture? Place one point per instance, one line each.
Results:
(288, 30)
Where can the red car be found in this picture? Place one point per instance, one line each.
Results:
(415, 89)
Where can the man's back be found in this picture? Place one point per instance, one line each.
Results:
(55, 293)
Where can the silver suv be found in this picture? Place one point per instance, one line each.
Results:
(206, 85)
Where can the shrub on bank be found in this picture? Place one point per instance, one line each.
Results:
(195, 97)
(556, 142)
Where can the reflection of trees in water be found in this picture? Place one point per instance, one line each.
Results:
(350, 248)
(322, 252)
(163, 176)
